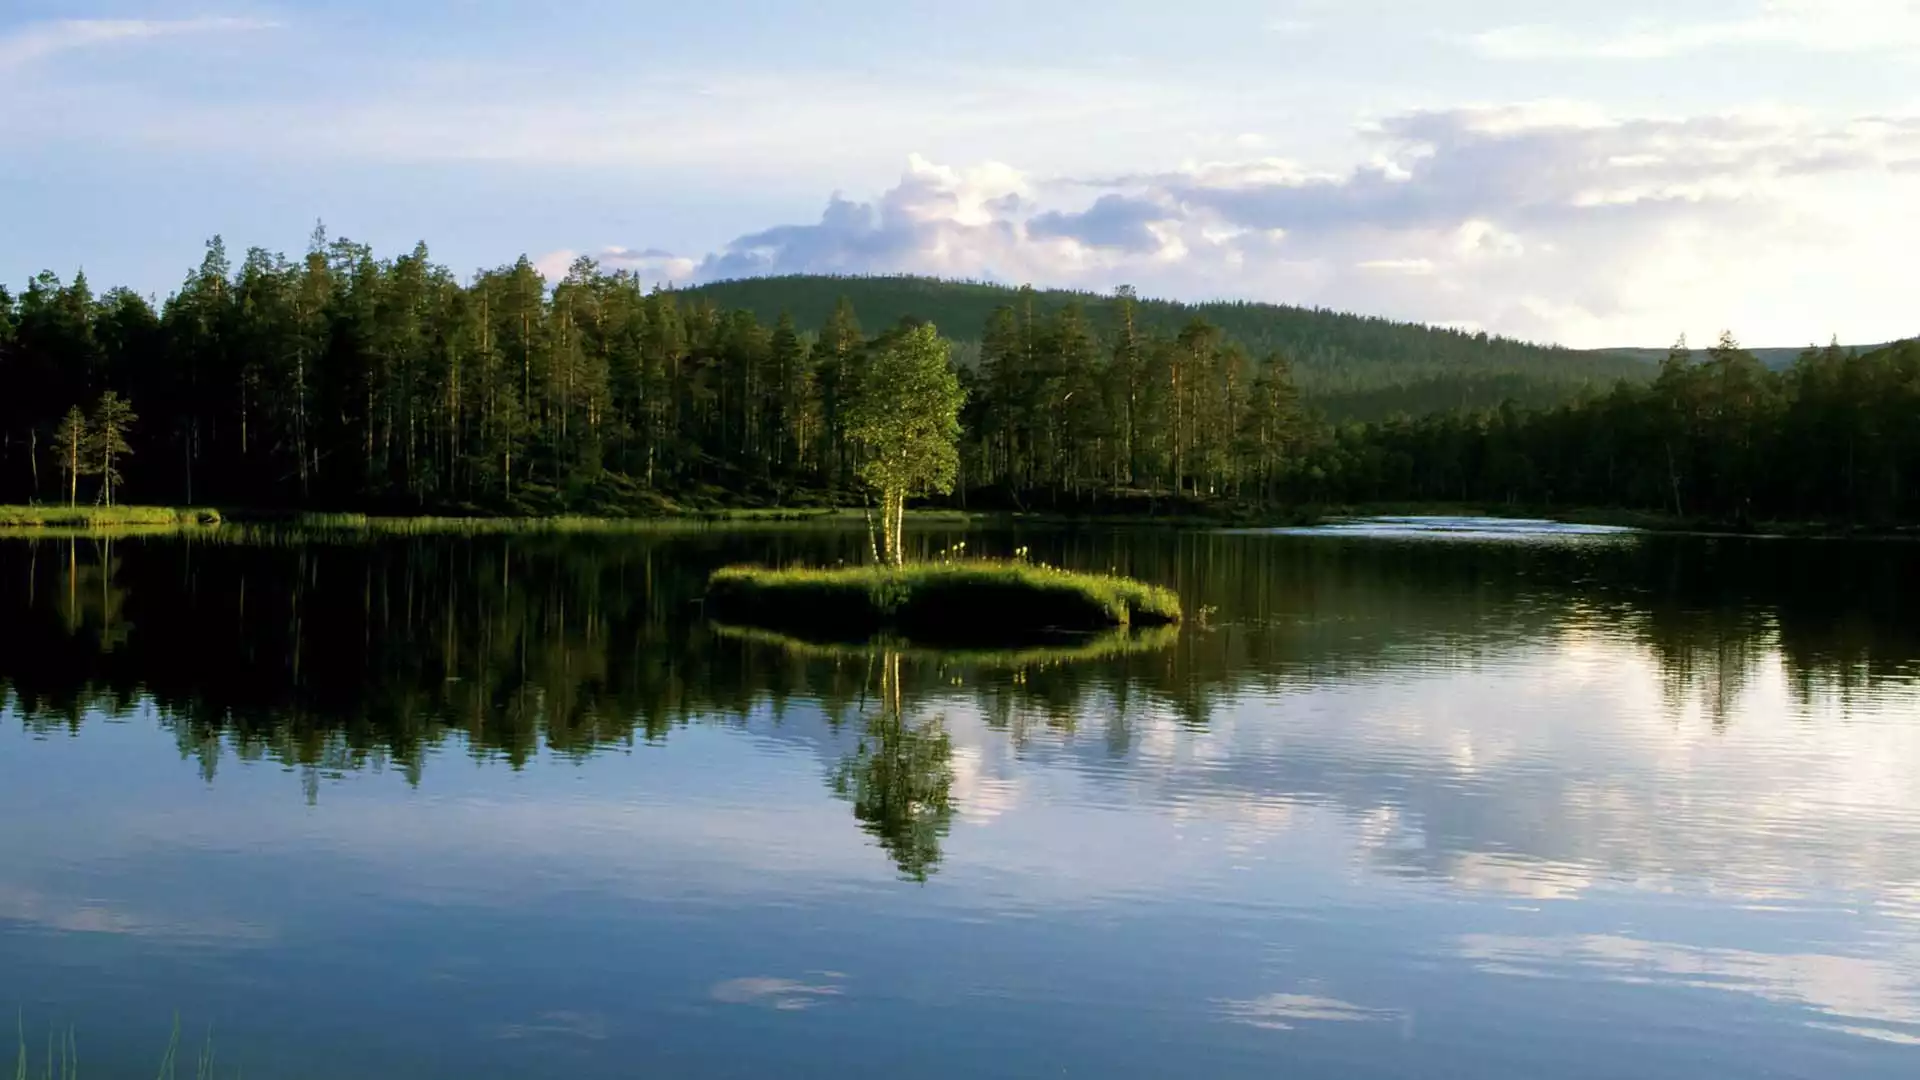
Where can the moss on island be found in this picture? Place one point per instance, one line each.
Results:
(943, 601)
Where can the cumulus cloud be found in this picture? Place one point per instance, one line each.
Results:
(1545, 221)
(36, 41)
(936, 220)
(1838, 26)
(1122, 222)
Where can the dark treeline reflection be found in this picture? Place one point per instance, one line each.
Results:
(333, 654)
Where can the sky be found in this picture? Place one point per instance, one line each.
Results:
(1581, 173)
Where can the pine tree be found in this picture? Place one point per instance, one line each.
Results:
(112, 417)
(839, 379)
(70, 447)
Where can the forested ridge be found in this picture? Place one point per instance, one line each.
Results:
(341, 380)
(1351, 367)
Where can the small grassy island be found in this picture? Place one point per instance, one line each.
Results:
(972, 600)
(906, 420)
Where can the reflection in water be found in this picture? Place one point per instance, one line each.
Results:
(330, 657)
(1381, 780)
(787, 995)
(335, 655)
(1874, 997)
(900, 778)
(1282, 1012)
(1430, 527)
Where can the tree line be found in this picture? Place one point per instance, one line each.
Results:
(341, 380)
(1835, 438)
(1352, 367)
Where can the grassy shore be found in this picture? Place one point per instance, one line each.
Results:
(104, 517)
(938, 601)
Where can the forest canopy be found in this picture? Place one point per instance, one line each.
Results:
(343, 380)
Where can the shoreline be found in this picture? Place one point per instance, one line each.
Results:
(60, 521)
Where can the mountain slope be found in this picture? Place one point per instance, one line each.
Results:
(1352, 366)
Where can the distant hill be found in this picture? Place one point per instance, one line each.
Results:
(1352, 366)
(1776, 358)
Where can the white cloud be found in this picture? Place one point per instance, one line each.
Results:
(1549, 221)
(37, 41)
(1419, 267)
(651, 264)
(1835, 26)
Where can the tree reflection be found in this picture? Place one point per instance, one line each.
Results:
(330, 655)
(900, 778)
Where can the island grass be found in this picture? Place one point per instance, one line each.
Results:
(936, 601)
(104, 517)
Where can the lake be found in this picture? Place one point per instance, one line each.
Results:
(1397, 801)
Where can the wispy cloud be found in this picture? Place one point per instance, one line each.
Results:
(1834, 26)
(37, 41)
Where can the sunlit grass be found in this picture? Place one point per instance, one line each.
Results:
(430, 525)
(104, 517)
(946, 600)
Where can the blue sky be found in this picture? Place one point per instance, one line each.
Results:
(1591, 174)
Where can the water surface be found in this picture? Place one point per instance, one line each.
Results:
(508, 807)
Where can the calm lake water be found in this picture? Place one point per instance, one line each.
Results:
(1396, 802)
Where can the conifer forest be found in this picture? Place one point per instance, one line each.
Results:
(344, 380)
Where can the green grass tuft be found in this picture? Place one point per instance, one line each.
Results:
(62, 1058)
(937, 601)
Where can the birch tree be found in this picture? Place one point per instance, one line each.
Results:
(906, 421)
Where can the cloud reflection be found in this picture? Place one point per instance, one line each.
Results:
(562, 1024)
(1283, 1012)
(1872, 997)
(787, 995)
(76, 916)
